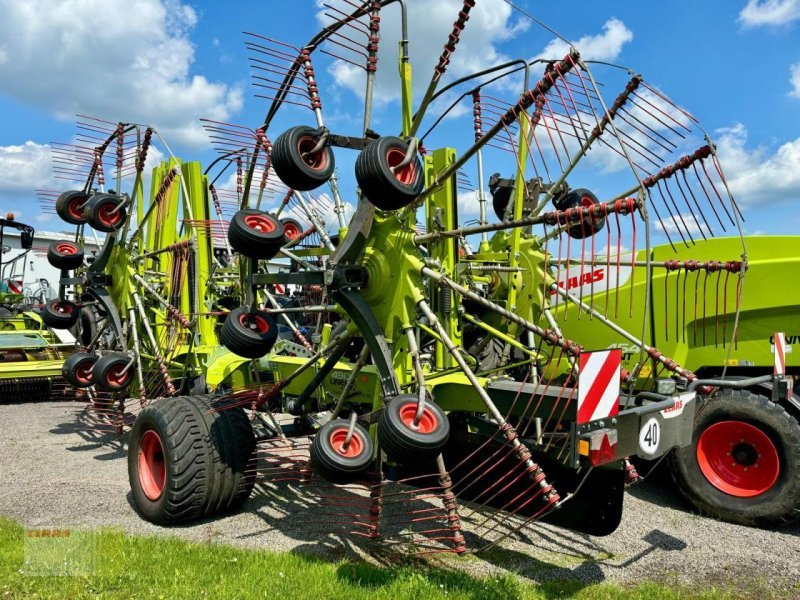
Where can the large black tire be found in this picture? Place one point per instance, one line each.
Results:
(255, 234)
(333, 463)
(291, 229)
(250, 334)
(299, 173)
(202, 456)
(401, 442)
(64, 254)
(233, 444)
(77, 369)
(60, 314)
(104, 213)
(588, 226)
(385, 189)
(109, 374)
(69, 206)
(761, 433)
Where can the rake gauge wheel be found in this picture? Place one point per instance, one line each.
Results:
(294, 164)
(384, 187)
(60, 314)
(256, 234)
(111, 372)
(69, 206)
(406, 442)
(291, 229)
(336, 461)
(105, 213)
(250, 334)
(77, 369)
(589, 226)
(190, 457)
(65, 255)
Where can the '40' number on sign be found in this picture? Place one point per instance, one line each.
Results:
(649, 436)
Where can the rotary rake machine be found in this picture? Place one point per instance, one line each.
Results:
(411, 389)
(440, 401)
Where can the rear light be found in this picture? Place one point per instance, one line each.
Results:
(599, 446)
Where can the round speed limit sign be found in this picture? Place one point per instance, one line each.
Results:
(650, 436)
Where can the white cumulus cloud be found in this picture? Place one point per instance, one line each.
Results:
(24, 167)
(605, 46)
(114, 59)
(759, 175)
(773, 13)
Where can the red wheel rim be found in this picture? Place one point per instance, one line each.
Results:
(75, 207)
(254, 322)
(58, 307)
(353, 449)
(117, 377)
(738, 458)
(428, 423)
(259, 223)
(587, 201)
(152, 465)
(83, 372)
(405, 175)
(317, 161)
(107, 216)
(290, 230)
(66, 248)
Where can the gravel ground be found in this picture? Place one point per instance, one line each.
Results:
(53, 473)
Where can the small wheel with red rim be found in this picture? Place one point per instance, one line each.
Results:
(250, 334)
(105, 212)
(77, 369)
(407, 440)
(60, 314)
(69, 206)
(291, 229)
(65, 255)
(112, 373)
(295, 163)
(256, 234)
(338, 460)
(382, 180)
(744, 461)
(583, 198)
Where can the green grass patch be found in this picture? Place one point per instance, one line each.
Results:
(156, 567)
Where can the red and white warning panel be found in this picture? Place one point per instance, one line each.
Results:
(598, 385)
(780, 353)
(14, 286)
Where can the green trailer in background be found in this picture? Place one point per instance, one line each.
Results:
(744, 461)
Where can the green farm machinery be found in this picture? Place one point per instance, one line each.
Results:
(30, 355)
(400, 369)
(742, 463)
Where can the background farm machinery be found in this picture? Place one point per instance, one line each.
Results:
(430, 383)
(742, 463)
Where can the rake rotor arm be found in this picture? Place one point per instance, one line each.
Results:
(548, 335)
(557, 217)
(533, 469)
(525, 67)
(605, 121)
(510, 116)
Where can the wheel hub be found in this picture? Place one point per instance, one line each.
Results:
(738, 458)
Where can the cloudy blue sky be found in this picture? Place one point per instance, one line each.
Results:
(735, 64)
